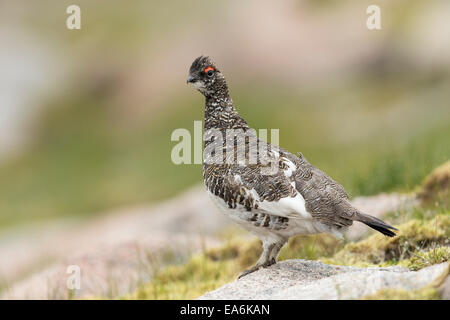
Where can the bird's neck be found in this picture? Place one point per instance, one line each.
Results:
(220, 112)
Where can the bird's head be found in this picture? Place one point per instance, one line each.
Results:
(205, 77)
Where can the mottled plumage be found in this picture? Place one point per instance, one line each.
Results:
(277, 195)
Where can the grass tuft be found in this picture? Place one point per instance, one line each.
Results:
(413, 236)
(424, 259)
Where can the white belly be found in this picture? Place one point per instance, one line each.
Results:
(300, 225)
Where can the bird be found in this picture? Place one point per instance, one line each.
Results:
(264, 188)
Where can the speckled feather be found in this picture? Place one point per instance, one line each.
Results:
(325, 199)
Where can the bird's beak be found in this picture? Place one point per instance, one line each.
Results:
(190, 79)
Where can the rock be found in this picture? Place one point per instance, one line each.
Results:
(303, 279)
(445, 289)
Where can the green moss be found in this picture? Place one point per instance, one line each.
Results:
(242, 252)
(310, 247)
(413, 236)
(400, 294)
(424, 259)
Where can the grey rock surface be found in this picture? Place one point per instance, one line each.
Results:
(313, 280)
(445, 289)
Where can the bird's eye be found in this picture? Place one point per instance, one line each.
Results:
(209, 71)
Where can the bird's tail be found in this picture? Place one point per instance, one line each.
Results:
(376, 224)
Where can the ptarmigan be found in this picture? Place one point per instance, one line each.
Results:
(276, 196)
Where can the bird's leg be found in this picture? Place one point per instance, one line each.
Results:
(268, 257)
(276, 250)
(263, 261)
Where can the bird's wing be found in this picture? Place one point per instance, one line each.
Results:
(268, 188)
(325, 199)
(296, 189)
(246, 186)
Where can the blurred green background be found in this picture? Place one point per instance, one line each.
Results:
(87, 114)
